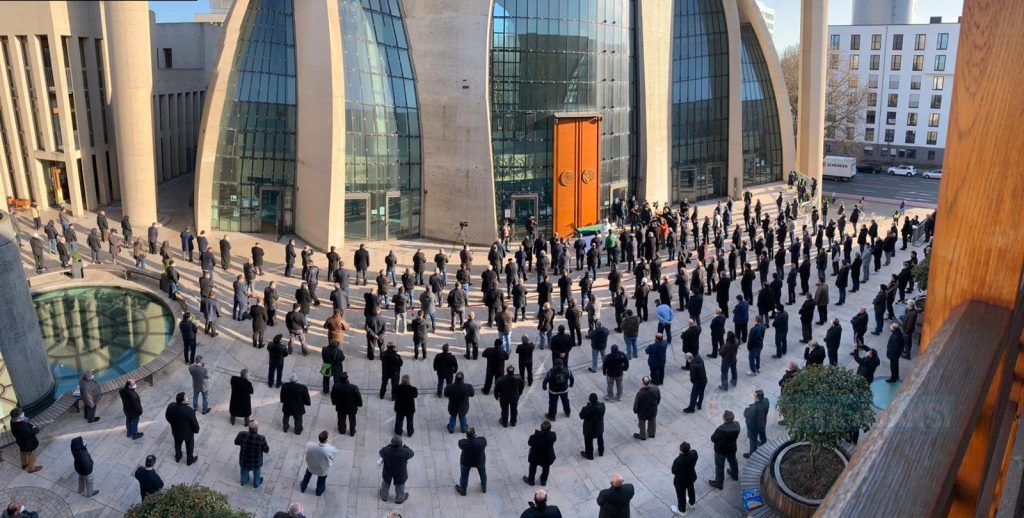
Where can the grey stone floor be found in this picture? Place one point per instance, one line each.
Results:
(574, 481)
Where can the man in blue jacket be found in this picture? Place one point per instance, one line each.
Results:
(656, 359)
(754, 346)
(664, 313)
(740, 318)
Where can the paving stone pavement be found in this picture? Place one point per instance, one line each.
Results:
(351, 486)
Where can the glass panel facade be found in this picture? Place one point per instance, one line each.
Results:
(700, 100)
(560, 56)
(256, 148)
(383, 127)
(762, 138)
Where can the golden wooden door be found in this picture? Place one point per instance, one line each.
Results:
(577, 173)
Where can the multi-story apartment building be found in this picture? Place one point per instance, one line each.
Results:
(62, 115)
(907, 71)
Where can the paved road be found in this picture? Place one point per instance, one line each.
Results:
(884, 186)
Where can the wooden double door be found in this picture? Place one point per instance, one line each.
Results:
(577, 173)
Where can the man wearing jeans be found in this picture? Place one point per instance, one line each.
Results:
(545, 319)
(200, 384)
(250, 455)
(724, 440)
(615, 365)
(132, 406)
(473, 456)
(319, 459)
(664, 313)
(630, 330)
(598, 343)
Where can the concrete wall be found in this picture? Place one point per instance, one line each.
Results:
(654, 105)
(320, 168)
(21, 341)
(732, 22)
(452, 79)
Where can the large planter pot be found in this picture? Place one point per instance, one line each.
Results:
(779, 494)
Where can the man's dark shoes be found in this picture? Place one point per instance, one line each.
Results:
(460, 490)
(587, 455)
(527, 480)
(746, 455)
(192, 461)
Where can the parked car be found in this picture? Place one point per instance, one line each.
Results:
(868, 168)
(936, 174)
(902, 170)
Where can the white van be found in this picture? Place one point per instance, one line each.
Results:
(841, 168)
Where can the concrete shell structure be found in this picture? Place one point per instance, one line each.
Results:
(387, 119)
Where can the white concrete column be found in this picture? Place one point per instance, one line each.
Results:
(810, 147)
(735, 148)
(131, 88)
(655, 101)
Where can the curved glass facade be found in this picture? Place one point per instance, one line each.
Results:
(762, 138)
(254, 174)
(700, 100)
(559, 56)
(382, 162)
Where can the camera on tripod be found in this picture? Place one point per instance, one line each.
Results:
(463, 224)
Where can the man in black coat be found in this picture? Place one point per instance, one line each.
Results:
(561, 345)
(405, 396)
(294, 400)
(258, 313)
(473, 456)
(507, 390)
(724, 440)
(866, 366)
(445, 365)
(276, 353)
(859, 322)
(542, 453)
(390, 370)
(684, 475)
(458, 394)
(495, 357)
(592, 415)
(806, 318)
(225, 253)
(614, 501)
(698, 380)
(132, 406)
(24, 434)
(645, 406)
(346, 400)
(184, 427)
(241, 397)
(832, 338)
(894, 351)
(361, 261)
(691, 340)
(188, 336)
(539, 507)
(395, 457)
(471, 329)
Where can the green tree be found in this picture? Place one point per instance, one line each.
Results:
(920, 273)
(187, 501)
(825, 405)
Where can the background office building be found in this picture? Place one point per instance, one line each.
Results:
(905, 75)
(79, 78)
(769, 17)
(349, 120)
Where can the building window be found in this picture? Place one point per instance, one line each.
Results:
(890, 118)
(936, 102)
(890, 135)
(933, 138)
(762, 137)
(854, 62)
(919, 41)
(943, 41)
(872, 99)
(873, 81)
(876, 42)
(833, 61)
(875, 58)
(897, 42)
(933, 120)
(896, 63)
(931, 156)
(915, 100)
(894, 82)
(940, 62)
(894, 100)
(855, 42)
(912, 153)
(834, 41)
(910, 137)
(869, 117)
(918, 63)
(854, 81)
(168, 58)
(868, 150)
(901, 153)
(869, 135)
(912, 119)
(915, 82)
(938, 82)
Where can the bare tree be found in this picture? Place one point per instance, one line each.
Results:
(790, 62)
(846, 99)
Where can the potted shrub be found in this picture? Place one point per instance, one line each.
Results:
(920, 273)
(187, 500)
(823, 407)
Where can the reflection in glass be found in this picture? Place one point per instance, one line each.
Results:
(112, 331)
(256, 148)
(700, 100)
(762, 138)
(560, 56)
(382, 119)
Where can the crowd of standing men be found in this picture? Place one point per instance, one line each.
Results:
(767, 258)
